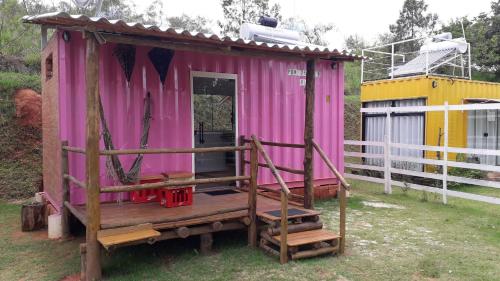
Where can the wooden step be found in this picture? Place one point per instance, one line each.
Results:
(308, 237)
(116, 236)
(293, 213)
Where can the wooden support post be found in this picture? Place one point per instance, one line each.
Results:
(342, 207)
(242, 157)
(93, 270)
(252, 197)
(83, 262)
(206, 241)
(65, 212)
(308, 136)
(284, 229)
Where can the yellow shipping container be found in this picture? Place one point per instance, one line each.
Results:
(435, 90)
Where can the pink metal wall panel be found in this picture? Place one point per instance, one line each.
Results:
(271, 105)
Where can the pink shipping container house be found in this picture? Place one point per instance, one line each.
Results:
(254, 128)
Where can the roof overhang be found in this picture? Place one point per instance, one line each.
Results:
(119, 31)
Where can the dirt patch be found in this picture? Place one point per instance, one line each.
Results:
(37, 235)
(28, 108)
(382, 205)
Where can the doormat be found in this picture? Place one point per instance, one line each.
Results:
(220, 192)
(291, 212)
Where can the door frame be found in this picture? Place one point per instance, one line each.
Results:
(220, 75)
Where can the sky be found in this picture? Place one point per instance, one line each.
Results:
(364, 17)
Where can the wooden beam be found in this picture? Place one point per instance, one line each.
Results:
(203, 47)
(252, 197)
(74, 180)
(93, 255)
(73, 149)
(342, 207)
(174, 150)
(308, 136)
(279, 144)
(170, 183)
(330, 165)
(284, 229)
(65, 213)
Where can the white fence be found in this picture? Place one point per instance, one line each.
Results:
(388, 168)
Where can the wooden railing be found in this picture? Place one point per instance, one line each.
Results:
(285, 192)
(67, 178)
(342, 194)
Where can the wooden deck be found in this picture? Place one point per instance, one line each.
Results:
(205, 209)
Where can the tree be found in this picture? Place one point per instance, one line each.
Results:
(312, 35)
(355, 43)
(186, 22)
(483, 33)
(237, 12)
(413, 22)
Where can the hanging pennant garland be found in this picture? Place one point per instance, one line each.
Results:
(161, 58)
(126, 57)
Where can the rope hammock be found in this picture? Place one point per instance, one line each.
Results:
(113, 162)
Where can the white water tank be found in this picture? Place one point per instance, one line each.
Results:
(262, 33)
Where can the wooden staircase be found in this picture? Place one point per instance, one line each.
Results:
(306, 236)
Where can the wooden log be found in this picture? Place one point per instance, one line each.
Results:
(83, 262)
(92, 159)
(73, 149)
(269, 250)
(65, 213)
(330, 165)
(308, 135)
(342, 219)
(182, 232)
(252, 197)
(294, 228)
(281, 168)
(242, 156)
(206, 242)
(217, 226)
(74, 180)
(284, 229)
(32, 216)
(279, 144)
(167, 184)
(174, 150)
(275, 173)
(246, 221)
(314, 253)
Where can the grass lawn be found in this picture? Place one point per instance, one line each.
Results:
(406, 239)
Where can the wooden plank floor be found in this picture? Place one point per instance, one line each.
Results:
(128, 214)
(308, 237)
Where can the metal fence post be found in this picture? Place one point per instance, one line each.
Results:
(387, 153)
(445, 153)
(392, 61)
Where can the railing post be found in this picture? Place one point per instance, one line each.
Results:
(92, 159)
(65, 192)
(342, 207)
(445, 153)
(308, 135)
(242, 156)
(387, 153)
(252, 196)
(392, 61)
(284, 229)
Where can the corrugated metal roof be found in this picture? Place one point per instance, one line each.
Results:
(65, 20)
